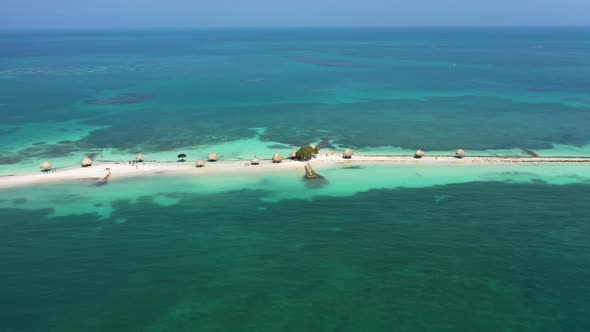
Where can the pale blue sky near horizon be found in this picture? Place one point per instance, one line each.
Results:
(68, 14)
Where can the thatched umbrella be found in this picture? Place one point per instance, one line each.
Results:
(45, 166)
(347, 154)
(460, 153)
(255, 161)
(212, 157)
(277, 158)
(139, 157)
(86, 162)
(200, 163)
(419, 154)
(294, 154)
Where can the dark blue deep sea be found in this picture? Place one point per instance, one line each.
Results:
(393, 250)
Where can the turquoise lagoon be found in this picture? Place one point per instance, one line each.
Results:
(66, 94)
(377, 248)
(373, 248)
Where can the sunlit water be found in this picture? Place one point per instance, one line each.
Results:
(371, 248)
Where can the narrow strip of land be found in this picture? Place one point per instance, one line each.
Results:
(105, 170)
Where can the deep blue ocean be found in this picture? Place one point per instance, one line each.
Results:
(405, 248)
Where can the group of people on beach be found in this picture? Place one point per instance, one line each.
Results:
(135, 163)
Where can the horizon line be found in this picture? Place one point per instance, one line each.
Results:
(294, 27)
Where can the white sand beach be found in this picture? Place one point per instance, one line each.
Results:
(117, 170)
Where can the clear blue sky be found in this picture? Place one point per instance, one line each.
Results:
(255, 13)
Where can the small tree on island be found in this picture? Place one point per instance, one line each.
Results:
(181, 156)
(306, 152)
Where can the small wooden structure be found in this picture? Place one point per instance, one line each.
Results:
(46, 166)
(86, 162)
(213, 157)
(277, 158)
(310, 173)
(460, 153)
(419, 154)
(347, 154)
(103, 180)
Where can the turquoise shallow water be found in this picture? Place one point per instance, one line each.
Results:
(372, 248)
(66, 94)
(486, 256)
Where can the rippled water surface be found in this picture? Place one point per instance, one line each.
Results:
(486, 256)
(114, 93)
(373, 248)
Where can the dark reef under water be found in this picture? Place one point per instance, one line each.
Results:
(470, 257)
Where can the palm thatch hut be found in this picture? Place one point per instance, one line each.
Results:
(294, 155)
(460, 153)
(310, 173)
(277, 158)
(139, 157)
(347, 154)
(419, 154)
(255, 161)
(86, 162)
(46, 166)
(200, 163)
(212, 156)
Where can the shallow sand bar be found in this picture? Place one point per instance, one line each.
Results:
(154, 168)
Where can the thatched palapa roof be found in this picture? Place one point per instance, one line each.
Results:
(277, 158)
(200, 163)
(460, 153)
(255, 161)
(309, 172)
(212, 156)
(86, 162)
(294, 154)
(45, 165)
(419, 154)
(139, 157)
(347, 154)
